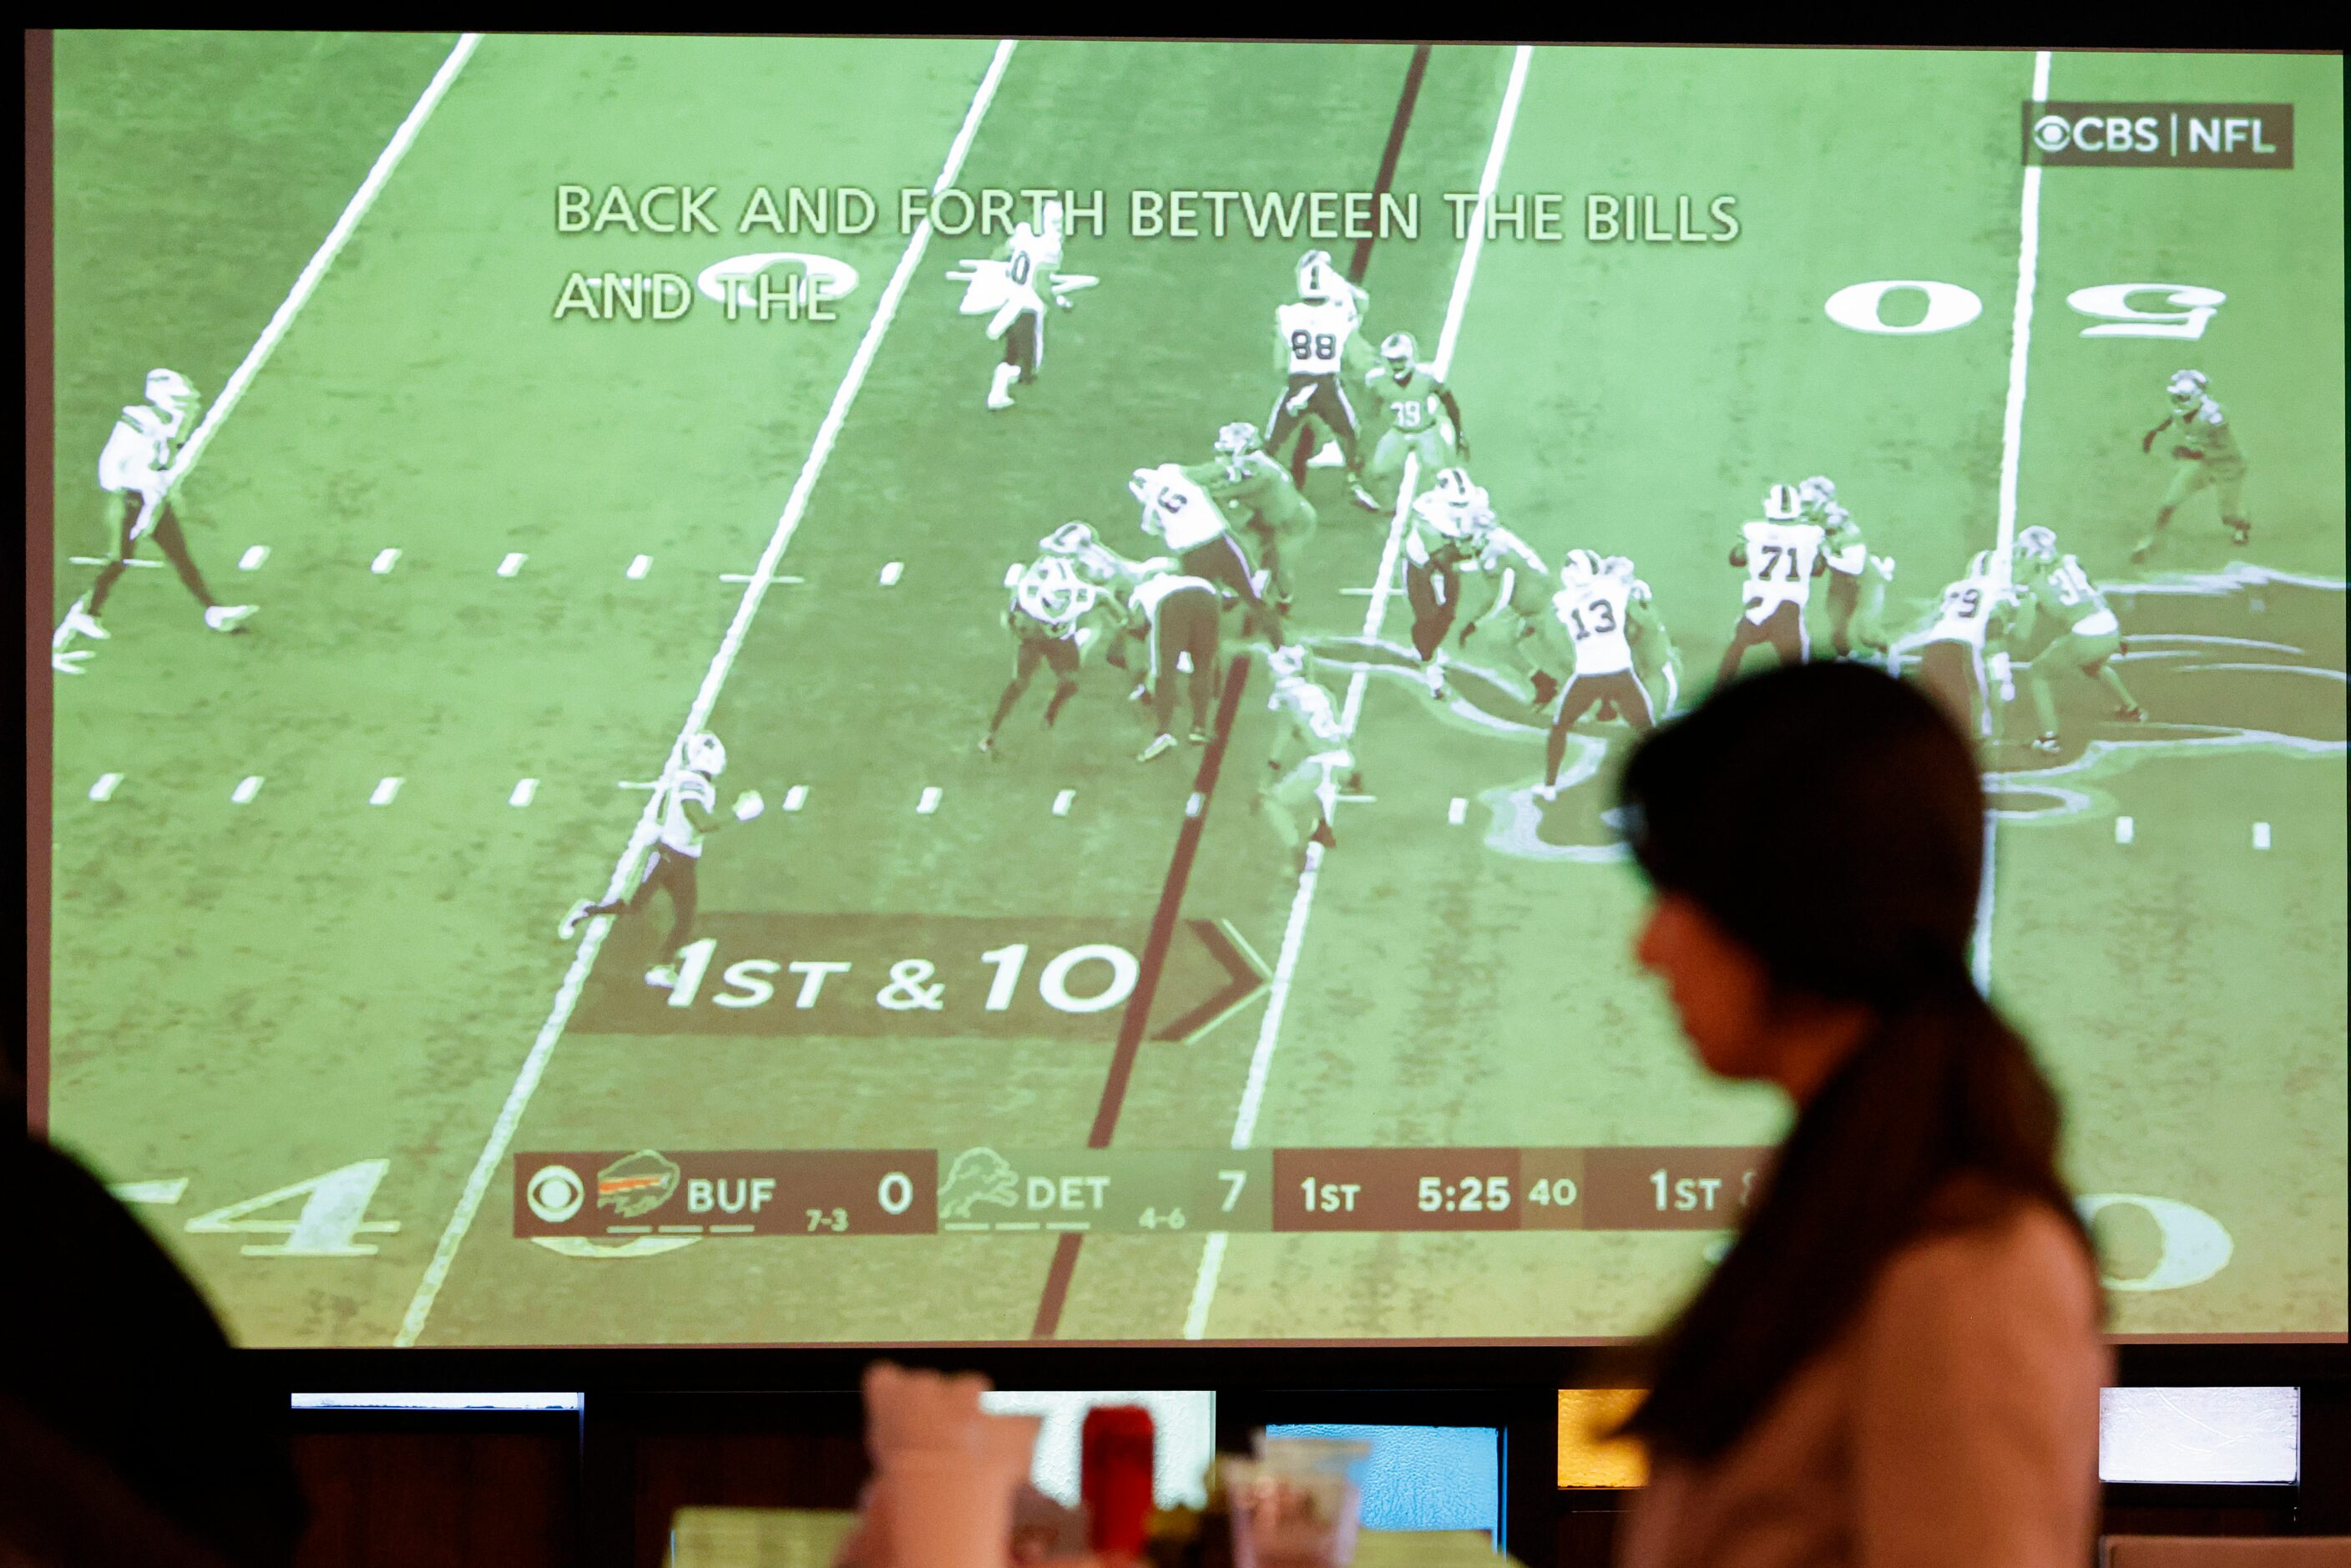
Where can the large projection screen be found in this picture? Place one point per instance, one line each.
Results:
(452, 432)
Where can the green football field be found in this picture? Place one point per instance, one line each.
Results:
(309, 1004)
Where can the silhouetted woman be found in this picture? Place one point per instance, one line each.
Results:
(1898, 1364)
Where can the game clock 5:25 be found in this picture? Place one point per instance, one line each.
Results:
(1470, 1195)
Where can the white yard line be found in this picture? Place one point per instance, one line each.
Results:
(566, 996)
(306, 284)
(1293, 935)
(2012, 461)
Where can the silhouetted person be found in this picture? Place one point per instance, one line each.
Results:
(130, 1432)
(1898, 1364)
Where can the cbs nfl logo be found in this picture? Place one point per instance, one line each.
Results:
(2159, 135)
(555, 1194)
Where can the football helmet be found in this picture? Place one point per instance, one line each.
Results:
(1401, 353)
(2187, 390)
(1317, 279)
(1235, 441)
(1579, 566)
(705, 754)
(2037, 544)
(168, 389)
(1049, 217)
(1288, 663)
(1454, 486)
(1816, 494)
(1476, 520)
(1618, 566)
(1781, 504)
(1050, 592)
(1070, 538)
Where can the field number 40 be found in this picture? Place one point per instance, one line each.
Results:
(2187, 307)
(334, 1211)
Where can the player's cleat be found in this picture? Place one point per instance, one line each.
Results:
(1160, 747)
(664, 975)
(2046, 743)
(988, 745)
(1366, 499)
(1323, 835)
(2241, 534)
(1199, 737)
(999, 390)
(1546, 688)
(2131, 714)
(71, 663)
(570, 926)
(1546, 792)
(1434, 676)
(1141, 692)
(80, 623)
(229, 617)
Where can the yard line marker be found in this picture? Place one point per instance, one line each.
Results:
(385, 792)
(796, 797)
(2011, 463)
(929, 802)
(2261, 835)
(169, 1190)
(566, 996)
(512, 564)
(306, 284)
(104, 789)
(746, 577)
(892, 573)
(525, 791)
(1458, 812)
(2124, 830)
(639, 567)
(1062, 802)
(109, 560)
(246, 788)
(1293, 935)
(252, 558)
(385, 560)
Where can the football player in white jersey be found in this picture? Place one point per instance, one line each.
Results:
(1596, 610)
(1023, 274)
(1180, 618)
(1656, 662)
(2093, 635)
(1184, 516)
(1782, 553)
(1972, 619)
(1314, 339)
(1847, 555)
(685, 811)
(1308, 758)
(134, 477)
(1505, 604)
(1445, 533)
(1049, 605)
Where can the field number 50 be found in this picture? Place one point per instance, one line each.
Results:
(2185, 309)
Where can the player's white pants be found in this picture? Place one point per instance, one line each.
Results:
(1314, 782)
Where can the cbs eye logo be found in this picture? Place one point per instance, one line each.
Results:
(2051, 133)
(555, 1194)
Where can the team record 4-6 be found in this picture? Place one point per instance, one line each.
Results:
(982, 1190)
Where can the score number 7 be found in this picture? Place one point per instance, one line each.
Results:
(1234, 1181)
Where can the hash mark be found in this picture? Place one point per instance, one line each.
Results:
(524, 791)
(2123, 829)
(246, 788)
(104, 789)
(512, 564)
(1458, 812)
(892, 572)
(796, 797)
(639, 567)
(252, 558)
(1062, 802)
(384, 792)
(929, 802)
(2261, 835)
(385, 560)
